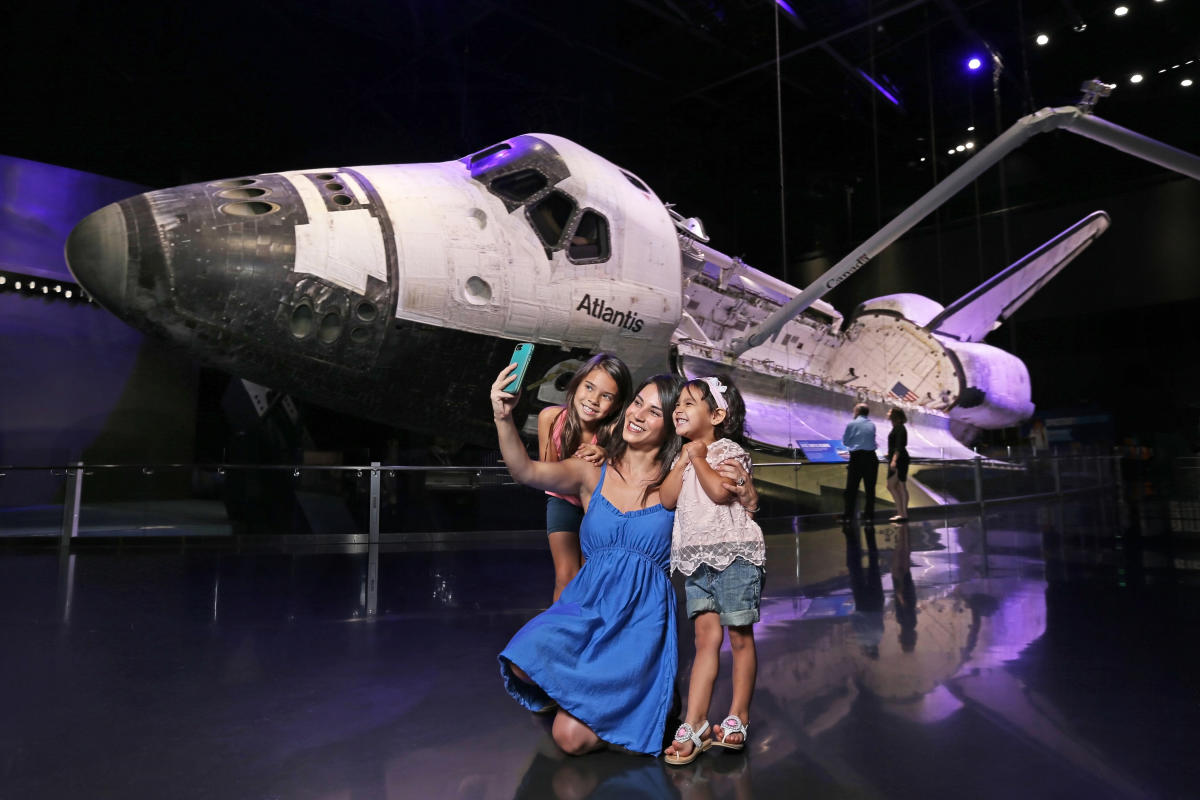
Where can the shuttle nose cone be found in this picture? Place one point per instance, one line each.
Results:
(98, 255)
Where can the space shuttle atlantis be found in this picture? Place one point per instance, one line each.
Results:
(396, 293)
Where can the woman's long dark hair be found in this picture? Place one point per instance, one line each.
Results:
(572, 433)
(668, 395)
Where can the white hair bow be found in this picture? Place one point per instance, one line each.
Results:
(718, 392)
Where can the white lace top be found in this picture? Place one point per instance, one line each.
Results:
(707, 533)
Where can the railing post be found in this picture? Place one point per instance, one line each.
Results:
(985, 556)
(979, 482)
(944, 473)
(74, 491)
(373, 546)
(1123, 510)
(70, 530)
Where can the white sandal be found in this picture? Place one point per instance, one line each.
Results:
(684, 733)
(733, 724)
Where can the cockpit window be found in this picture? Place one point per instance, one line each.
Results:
(635, 181)
(589, 242)
(518, 171)
(483, 155)
(519, 186)
(550, 216)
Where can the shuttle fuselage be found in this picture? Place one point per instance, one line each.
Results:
(395, 292)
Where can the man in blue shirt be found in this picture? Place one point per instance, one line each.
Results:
(859, 439)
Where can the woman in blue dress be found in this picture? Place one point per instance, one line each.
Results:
(605, 652)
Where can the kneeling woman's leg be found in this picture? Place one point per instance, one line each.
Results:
(519, 673)
(573, 736)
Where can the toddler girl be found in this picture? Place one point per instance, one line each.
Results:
(720, 549)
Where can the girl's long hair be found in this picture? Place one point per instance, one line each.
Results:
(733, 427)
(572, 433)
(668, 395)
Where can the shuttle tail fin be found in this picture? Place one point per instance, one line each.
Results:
(975, 314)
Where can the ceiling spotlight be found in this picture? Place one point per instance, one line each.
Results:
(1121, 11)
(974, 63)
(970, 128)
(68, 294)
(1186, 82)
(949, 152)
(1042, 39)
(1081, 27)
(3, 280)
(970, 145)
(960, 148)
(1136, 78)
(922, 159)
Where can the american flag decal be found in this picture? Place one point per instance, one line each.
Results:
(902, 392)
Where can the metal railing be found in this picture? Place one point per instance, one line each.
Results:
(356, 504)
(359, 509)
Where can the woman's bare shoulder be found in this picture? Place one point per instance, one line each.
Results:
(589, 474)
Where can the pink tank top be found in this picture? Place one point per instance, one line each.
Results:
(556, 432)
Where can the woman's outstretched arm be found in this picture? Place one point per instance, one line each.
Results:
(564, 477)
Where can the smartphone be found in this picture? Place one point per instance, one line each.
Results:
(521, 355)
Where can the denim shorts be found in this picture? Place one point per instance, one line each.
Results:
(562, 516)
(733, 592)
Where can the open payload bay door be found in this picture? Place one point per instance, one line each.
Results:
(785, 409)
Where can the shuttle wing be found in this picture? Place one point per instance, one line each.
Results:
(978, 312)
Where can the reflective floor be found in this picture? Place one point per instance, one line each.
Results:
(1038, 651)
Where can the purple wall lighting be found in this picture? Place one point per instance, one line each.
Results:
(890, 97)
(75, 363)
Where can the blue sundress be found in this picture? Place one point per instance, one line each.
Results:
(606, 652)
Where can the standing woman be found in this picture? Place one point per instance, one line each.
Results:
(581, 427)
(605, 653)
(897, 460)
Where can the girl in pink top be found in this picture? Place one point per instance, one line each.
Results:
(596, 397)
(719, 547)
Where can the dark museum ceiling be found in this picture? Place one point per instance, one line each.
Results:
(683, 92)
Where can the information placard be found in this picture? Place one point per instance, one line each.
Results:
(824, 451)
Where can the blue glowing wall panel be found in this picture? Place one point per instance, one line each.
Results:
(77, 382)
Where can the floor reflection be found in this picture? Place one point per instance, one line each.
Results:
(937, 658)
